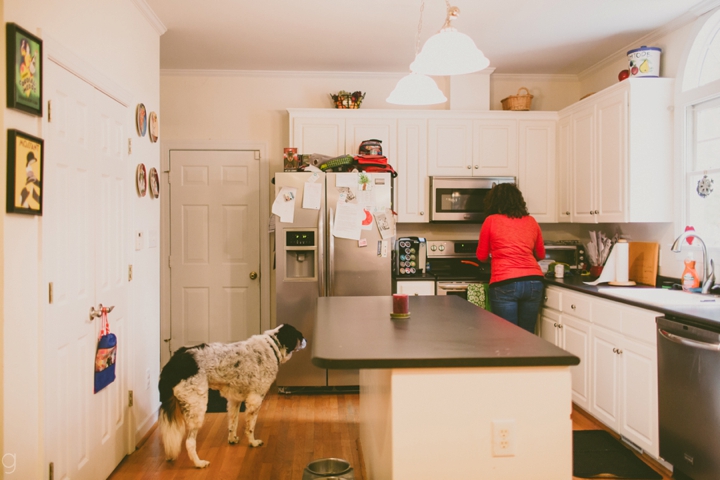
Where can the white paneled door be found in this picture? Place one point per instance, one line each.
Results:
(214, 246)
(84, 230)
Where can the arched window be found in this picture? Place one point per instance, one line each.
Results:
(699, 102)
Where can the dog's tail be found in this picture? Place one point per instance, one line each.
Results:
(172, 427)
(182, 365)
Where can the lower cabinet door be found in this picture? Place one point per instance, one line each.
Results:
(548, 326)
(575, 335)
(604, 403)
(639, 395)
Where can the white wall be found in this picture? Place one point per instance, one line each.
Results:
(114, 40)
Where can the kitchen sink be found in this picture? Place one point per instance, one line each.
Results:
(661, 296)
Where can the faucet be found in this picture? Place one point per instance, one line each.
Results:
(708, 265)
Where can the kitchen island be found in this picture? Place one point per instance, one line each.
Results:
(439, 390)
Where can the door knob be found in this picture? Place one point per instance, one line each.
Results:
(97, 312)
(253, 275)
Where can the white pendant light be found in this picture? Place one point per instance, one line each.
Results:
(416, 89)
(449, 52)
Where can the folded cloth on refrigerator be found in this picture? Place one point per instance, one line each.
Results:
(477, 294)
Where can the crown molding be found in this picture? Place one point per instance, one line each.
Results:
(182, 72)
(689, 17)
(540, 77)
(150, 16)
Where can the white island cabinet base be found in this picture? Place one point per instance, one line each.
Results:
(436, 423)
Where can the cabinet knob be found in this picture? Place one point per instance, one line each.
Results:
(567, 213)
(572, 306)
(597, 212)
(614, 350)
(619, 351)
(560, 325)
(422, 213)
(476, 167)
(546, 298)
(469, 167)
(555, 325)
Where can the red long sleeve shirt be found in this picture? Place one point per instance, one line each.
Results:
(516, 245)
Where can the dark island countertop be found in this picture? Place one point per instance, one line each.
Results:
(706, 316)
(442, 331)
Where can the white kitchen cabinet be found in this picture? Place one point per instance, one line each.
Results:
(322, 135)
(416, 287)
(536, 168)
(495, 148)
(366, 128)
(618, 146)
(412, 182)
(564, 168)
(450, 147)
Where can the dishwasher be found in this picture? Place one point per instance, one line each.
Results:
(689, 398)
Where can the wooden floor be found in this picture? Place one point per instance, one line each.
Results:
(296, 429)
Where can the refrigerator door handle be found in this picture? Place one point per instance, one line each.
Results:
(331, 252)
(321, 254)
(688, 342)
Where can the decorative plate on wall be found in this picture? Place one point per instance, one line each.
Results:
(141, 180)
(141, 119)
(153, 120)
(154, 183)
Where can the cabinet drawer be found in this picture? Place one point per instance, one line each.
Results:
(640, 324)
(552, 298)
(576, 305)
(608, 314)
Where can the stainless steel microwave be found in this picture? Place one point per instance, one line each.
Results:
(461, 199)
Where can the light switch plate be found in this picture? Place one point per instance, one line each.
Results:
(139, 240)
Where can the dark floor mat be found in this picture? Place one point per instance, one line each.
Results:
(597, 454)
(217, 404)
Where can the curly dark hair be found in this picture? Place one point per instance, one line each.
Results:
(506, 199)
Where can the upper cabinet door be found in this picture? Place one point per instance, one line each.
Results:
(611, 163)
(536, 172)
(325, 136)
(412, 181)
(450, 147)
(495, 148)
(583, 154)
(358, 130)
(564, 169)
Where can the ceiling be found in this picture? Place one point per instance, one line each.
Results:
(518, 36)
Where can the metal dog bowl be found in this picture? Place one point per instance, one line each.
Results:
(328, 469)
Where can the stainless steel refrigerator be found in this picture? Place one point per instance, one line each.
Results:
(311, 262)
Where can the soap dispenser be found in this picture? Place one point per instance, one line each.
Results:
(690, 278)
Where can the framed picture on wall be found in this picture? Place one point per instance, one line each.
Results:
(24, 173)
(24, 70)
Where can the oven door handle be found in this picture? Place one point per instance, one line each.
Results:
(456, 289)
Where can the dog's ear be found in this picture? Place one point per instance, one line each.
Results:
(289, 337)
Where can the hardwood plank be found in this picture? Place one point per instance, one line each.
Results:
(296, 429)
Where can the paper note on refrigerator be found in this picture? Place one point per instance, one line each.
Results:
(348, 221)
(312, 195)
(386, 223)
(284, 204)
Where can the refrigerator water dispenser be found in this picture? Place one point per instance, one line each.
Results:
(300, 256)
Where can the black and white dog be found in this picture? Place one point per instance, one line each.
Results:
(242, 372)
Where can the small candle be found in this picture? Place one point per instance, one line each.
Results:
(401, 303)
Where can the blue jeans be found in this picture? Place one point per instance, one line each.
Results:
(518, 302)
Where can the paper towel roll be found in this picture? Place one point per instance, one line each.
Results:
(615, 271)
(622, 255)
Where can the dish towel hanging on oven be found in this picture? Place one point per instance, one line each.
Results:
(106, 354)
(477, 294)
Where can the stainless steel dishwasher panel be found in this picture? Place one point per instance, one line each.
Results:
(689, 398)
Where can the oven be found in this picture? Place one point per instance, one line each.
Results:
(455, 267)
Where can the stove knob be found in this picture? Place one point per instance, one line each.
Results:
(441, 248)
(433, 247)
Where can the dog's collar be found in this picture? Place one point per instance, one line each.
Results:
(277, 344)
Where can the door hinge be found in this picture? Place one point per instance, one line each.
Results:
(129, 146)
(51, 471)
(129, 273)
(49, 111)
(50, 292)
(169, 261)
(169, 177)
(130, 398)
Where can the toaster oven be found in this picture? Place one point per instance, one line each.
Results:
(570, 252)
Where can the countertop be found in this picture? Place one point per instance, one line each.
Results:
(442, 331)
(702, 316)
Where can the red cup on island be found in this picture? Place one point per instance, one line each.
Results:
(401, 304)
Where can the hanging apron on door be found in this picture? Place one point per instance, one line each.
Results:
(105, 356)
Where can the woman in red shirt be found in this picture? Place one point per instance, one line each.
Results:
(514, 241)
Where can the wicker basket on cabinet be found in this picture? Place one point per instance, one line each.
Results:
(517, 102)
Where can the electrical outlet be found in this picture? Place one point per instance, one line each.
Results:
(503, 436)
